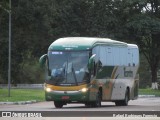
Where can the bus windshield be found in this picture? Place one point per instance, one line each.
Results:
(68, 67)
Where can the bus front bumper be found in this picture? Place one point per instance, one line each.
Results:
(67, 96)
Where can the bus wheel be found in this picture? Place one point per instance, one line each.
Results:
(123, 102)
(126, 99)
(88, 104)
(97, 103)
(58, 104)
(118, 103)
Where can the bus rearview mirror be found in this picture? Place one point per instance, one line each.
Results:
(91, 62)
(42, 60)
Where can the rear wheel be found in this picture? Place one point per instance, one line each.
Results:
(125, 101)
(58, 104)
(88, 104)
(118, 103)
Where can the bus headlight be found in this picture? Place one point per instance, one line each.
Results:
(48, 89)
(84, 90)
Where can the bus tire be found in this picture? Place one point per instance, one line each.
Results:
(125, 101)
(58, 104)
(118, 103)
(97, 103)
(88, 104)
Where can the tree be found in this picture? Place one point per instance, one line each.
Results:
(4, 5)
(36, 24)
(30, 34)
(3, 39)
(144, 28)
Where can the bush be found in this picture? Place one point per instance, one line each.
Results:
(31, 73)
(1, 80)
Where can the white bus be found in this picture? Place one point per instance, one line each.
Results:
(109, 71)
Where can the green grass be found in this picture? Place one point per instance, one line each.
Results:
(21, 95)
(149, 92)
(38, 94)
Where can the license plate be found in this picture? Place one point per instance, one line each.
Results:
(65, 97)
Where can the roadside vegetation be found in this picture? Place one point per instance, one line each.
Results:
(149, 91)
(38, 94)
(21, 95)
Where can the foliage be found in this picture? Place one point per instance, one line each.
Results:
(144, 73)
(149, 91)
(145, 30)
(28, 28)
(36, 24)
(30, 71)
(4, 5)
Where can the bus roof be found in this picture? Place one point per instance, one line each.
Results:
(132, 46)
(82, 43)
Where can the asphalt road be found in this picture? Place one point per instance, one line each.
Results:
(141, 104)
(142, 107)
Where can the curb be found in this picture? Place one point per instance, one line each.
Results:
(23, 86)
(146, 96)
(19, 103)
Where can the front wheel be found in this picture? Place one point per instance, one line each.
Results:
(58, 104)
(97, 103)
